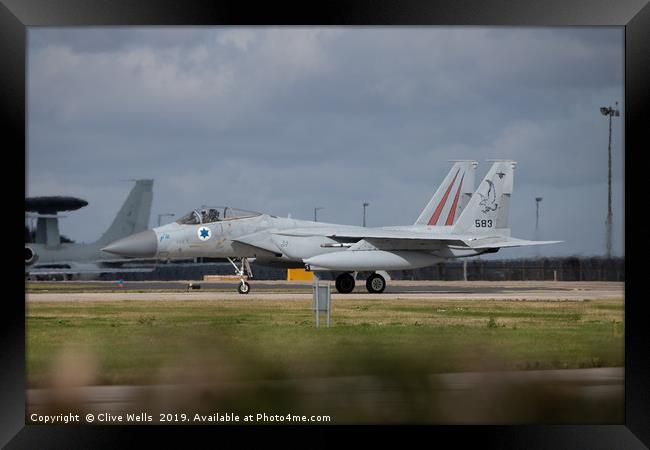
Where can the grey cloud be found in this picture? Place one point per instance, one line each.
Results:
(281, 119)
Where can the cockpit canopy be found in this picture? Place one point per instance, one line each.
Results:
(210, 214)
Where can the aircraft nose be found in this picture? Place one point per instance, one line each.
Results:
(140, 245)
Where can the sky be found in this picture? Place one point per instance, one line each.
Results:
(283, 120)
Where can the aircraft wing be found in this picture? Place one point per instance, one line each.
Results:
(259, 240)
(385, 239)
(372, 233)
(391, 239)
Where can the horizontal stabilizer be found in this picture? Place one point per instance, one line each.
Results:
(509, 242)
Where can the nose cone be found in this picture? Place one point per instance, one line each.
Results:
(139, 245)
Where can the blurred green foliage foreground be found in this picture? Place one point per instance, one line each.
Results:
(381, 361)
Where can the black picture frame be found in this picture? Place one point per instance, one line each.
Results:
(634, 15)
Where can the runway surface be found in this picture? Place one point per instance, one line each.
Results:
(226, 290)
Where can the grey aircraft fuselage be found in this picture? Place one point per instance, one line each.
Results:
(260, 236)
(452, 225)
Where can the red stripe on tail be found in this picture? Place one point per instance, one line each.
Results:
(441, 205)
(452, 211)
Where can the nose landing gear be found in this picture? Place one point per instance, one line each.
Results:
(244, 287)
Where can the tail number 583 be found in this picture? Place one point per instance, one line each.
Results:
(485, 223)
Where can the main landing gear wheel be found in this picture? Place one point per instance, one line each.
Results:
(375, 284)
(345, 283)
(244, 288)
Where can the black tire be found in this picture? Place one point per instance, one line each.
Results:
(244, 288)
(344, 283)
(375, 284)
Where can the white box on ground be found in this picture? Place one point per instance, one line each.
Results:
(321, 299)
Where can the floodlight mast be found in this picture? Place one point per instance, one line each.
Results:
(365, 205)
(316, 212)
(609, 112)
(537, 201)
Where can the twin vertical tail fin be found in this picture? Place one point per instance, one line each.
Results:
(452, 196)
(487, 211)
(133, 217)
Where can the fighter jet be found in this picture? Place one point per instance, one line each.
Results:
(454, 224)
(49, 256)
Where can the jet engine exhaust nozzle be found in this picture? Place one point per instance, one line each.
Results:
(30, 256)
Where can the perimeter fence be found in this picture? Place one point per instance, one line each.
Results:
(530, 269)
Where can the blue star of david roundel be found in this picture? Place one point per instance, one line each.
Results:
(204, 233)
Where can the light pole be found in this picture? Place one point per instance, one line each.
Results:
(315, 213)
(365, 204)
(537, 202)
(160, 216)
(610, 112)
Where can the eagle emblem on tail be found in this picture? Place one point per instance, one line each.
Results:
(488, 201)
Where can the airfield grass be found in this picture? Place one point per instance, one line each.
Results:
(150, 342)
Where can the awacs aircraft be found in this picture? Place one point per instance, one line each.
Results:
(49, 257)
(454, 224)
